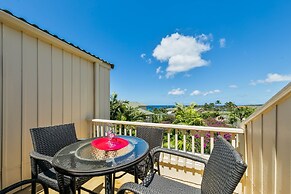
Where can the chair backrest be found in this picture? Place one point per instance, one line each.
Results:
(154, 137)
(49, 140)
(224, 169)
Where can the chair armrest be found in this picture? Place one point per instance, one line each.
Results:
(136, 188)
(178, 153)
(24, 182)
(38, 156)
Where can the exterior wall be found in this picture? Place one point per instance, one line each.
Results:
(102, 91)
(268, 146)
(41, 84)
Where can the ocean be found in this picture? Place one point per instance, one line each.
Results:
(151, 107)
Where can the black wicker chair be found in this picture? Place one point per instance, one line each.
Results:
(46, 142)
(222, 173)
(24, 182)
(154, 137)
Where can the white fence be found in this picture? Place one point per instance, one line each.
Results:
(195, 139)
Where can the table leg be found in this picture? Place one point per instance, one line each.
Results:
(108, 184)
(135, 174)
(73, 185)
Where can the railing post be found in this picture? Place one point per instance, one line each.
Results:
(176, 138)
(130, 131)
(211, 141)
(93, 132)
(193, 141)
(120, 129)
(184, 140)
(102, 130)
(233, 142)
(169, 138)
(202, 142)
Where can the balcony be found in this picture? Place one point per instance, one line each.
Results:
(55, 82)
(173, 167)
(263, 140)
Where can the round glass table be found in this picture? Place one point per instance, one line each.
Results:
(83, 159)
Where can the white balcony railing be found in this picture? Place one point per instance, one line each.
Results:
(198, 140)
(179, 137)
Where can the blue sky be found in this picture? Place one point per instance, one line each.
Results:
(177, 51)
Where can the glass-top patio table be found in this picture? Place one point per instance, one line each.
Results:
(83, 159)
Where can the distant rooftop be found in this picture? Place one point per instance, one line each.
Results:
(136, 104)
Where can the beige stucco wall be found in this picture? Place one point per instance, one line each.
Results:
(43, 82)
(268, 146)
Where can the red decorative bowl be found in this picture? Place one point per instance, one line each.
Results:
(104, 143)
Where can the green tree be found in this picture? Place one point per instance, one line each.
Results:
(187, 115)
(238, 114)
(120, 110)
(117, 107)
(229, 106)
(206, 107)
(217, 105)
(209, 114)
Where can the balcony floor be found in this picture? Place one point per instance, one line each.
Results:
(181, 174)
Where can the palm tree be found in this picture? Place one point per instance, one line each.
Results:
(229, 106)
(120, 110)
(117, 107)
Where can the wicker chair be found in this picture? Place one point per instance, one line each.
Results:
(154, 137)
(24, 182)
(46, 142)
(222, 173)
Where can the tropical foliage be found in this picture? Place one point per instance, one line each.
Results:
(161, 116)
(120, 110)
(238, 114)
(187, 115)
(209, 114)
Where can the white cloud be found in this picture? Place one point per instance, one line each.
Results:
(222, 42)
(182, 53)
(195, 93)
(143, 55)
(160, 77)
(232, 86)
(159, 70)
(253, 82)
(272, 77)
(149, 61)
(177, 92)
(211, 92)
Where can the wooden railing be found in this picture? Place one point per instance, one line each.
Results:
(195, 139)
